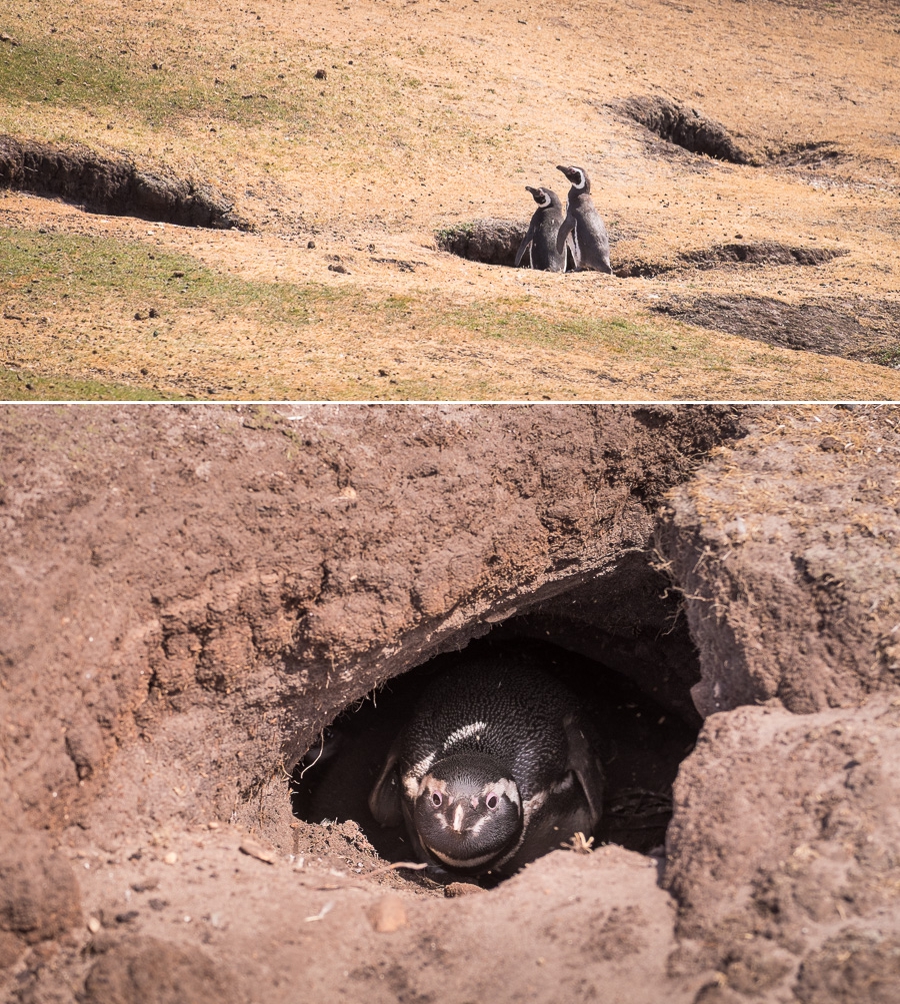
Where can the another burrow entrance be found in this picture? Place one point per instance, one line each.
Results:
(618, 644)
(113, 185)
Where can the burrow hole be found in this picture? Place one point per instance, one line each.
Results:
(635, 685)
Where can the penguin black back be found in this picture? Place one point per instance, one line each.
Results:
(583, 224)
(542, 233)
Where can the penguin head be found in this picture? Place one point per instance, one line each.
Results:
(544, 197)
(577, 177)
(467, 813)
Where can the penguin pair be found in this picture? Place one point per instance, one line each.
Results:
(495, 767)
(551, 237)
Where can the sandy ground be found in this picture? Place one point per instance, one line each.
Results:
(432, 115)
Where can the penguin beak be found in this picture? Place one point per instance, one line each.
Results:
(567, 171)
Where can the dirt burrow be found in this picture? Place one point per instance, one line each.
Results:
(112, 185)
(198, 590)
(861, 328)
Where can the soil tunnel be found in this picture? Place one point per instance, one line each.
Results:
(617, 642)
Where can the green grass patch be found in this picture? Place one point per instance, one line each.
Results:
(359, 107)
(78, 268)
(506, 319)
(23, 386)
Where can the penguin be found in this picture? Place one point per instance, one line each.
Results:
(542, 231)
(584, 223)
(495, 767)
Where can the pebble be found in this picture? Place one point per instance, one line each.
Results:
(387, 914)
(258, 851)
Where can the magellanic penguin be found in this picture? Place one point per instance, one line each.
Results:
(542, 232)
(584, 224)
(494, 769)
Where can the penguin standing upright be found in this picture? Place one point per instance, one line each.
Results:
(495, 767)
(584, 223)
(542, 232)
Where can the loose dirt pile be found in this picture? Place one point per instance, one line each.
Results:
(191, 594)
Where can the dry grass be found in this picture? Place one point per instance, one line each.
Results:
(431, 115)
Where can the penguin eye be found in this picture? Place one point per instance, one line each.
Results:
(436, 798)
(492, 801)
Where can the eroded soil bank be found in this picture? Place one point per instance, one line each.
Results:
(191, 594)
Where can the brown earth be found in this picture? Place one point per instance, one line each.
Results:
(434, 115)
(192, 592)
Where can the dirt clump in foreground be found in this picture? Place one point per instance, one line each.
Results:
(191, 594)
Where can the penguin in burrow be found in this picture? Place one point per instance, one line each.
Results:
(583, 224)
(540, 238)
(496, 767)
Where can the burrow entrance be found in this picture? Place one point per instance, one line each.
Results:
(618, 644)
(496, 241)
(113, 185)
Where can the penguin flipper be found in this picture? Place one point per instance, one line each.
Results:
(526, 243)
(586, 767)
(385, 803)
(562, 237)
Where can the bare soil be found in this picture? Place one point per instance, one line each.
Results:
(190, 593)
(428, 117)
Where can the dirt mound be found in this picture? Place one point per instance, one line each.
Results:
(39, 895)
(819, 325)
(685, 127)
(762, 253)
(808, 156)
(112, 185)
(157, 972)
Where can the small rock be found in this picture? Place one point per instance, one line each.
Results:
(259, 851)
(321, 75)
(454, 889)
(387, 914)
(157, 904)
(145, 885)
(831, 445)
(93, 925)
(338, 268)
(171, 858)
(310, 244)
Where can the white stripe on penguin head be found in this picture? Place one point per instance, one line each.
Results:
(546, 200)
(581, 176)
